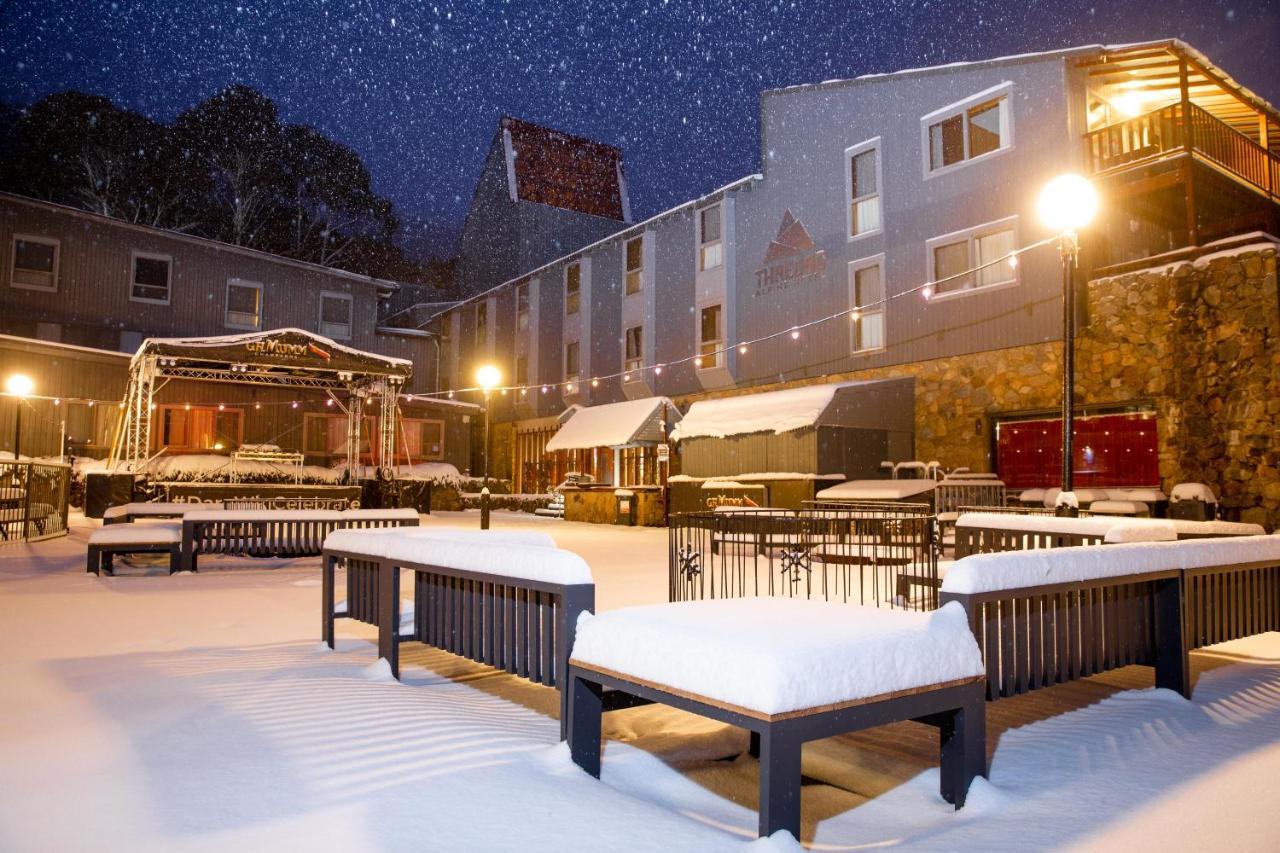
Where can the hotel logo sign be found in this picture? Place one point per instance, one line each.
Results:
(792, 258)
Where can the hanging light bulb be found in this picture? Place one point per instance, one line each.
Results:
(257, 406)
(657, 371)
(595, 383)
(853, 315)
(742, 349)
(568, 387)
(524, 391)
(329, 402)
(186, 407)
(697, 362)
(795, 333)
(57, 402)
(927, 292)
(294, 404)
(544, 389)
(221, 407)
(450, 395)
(1013, 262)
(626, 377)
(91, 404)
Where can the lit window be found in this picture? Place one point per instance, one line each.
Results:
(975, 259)
(864, 192)
(572, 288)
(635, 265)
(335, 316)
(571, 361)
(710, 335)
(868, 301)
(35, 263)
(189, 428)
(150, 278)
(969, 131)
(634, 359)
(710, 250)
(244, 304)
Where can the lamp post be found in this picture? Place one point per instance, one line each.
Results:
(487, 377)
(19, 387)
(1067, 203)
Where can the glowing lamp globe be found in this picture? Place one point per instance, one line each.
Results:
(19, 385)
(488, 377)
(1067, 202)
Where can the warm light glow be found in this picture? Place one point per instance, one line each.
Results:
(657, 370)
(742, 349)
(488, 376)
(595, 383)
(697, 362)
(569, 388)
(186, 407)
(795, 334)
(1013, 262)
(19, 385)
(295, 404)
(626, 378)
(223, 408)
(1067, 202)
(57, 402)
(853, 315)
(927, 293)
(1131, 103)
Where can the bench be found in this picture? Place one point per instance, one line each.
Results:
(1049, 616)
(106, 542)
(126, 513)
(989, 532)
(510, 600)
(842, 677)
(276, 532)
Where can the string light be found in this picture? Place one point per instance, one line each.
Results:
(294, 404)
(221, 407)
(926, 290)
(595, 383)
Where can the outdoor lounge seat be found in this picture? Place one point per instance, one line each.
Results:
(106, 542)
(821, 669)
(125, 513)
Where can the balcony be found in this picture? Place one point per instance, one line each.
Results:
(1173, 131)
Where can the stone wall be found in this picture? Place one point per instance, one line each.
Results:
(1200, 341)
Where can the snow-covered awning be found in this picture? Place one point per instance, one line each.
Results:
(615, 425)
(877, 490)
(885, 404)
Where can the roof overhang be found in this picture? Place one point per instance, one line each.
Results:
(629, 423)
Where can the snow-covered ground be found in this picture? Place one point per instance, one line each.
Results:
(200, 712)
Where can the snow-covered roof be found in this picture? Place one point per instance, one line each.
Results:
(215, 348)
(614, 424)
(772, 411)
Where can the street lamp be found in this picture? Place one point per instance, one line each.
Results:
(487, 377)
(1067, 203)
(21, 387)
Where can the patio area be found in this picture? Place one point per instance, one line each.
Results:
(200, 711)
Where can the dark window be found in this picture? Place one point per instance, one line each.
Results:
(946, 142)
(151, 278)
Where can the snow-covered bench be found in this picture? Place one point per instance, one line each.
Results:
(126, 513)
(1052, 615)
(106, 542)
(276, 532)
(821, 669)
(981, 533)
(507, 599)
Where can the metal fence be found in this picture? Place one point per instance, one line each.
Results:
(874, 553)
(33, 500)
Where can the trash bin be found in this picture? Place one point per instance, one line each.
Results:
(624, 507)
(105, 489)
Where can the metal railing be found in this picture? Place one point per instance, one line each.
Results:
(1168, 130)
(33, 500)
(875, 553)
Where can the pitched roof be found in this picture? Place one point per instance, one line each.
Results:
(614, 424)
(562, 170)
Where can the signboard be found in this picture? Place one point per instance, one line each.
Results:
(792, 258)
(664, 452)
(265, 495)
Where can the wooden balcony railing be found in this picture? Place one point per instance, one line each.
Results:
(1168, 131)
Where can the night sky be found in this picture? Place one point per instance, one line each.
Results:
(417, 88)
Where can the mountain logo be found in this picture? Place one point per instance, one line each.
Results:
(792, 257)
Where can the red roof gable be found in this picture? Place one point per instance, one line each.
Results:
(566, 171)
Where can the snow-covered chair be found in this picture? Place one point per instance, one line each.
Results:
(818, 669)
(507, 599)
(153, 537)
(1193, 502)
(126, 513)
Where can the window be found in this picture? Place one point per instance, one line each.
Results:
(634, 354)
(522, 307)
(974, 259)
(710, 336)
(199, 428)
(35, 263)
(969, 129)
(867, 299)
(150, 278)
(244, 304)
(635, 265)
(482, 323)
(572, 288)
(571, 360)
(710, 252)
(423, 439)
(522, 370)
(864, 189)
(335, 316)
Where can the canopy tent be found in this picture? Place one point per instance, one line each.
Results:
(281, 358)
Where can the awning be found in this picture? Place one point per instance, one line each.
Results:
(615, 425)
